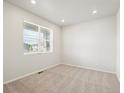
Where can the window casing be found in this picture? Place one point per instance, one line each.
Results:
(37, 39)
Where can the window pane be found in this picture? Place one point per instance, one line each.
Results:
(45, 41)
(46, 33)
(31, 37)
(48, 45)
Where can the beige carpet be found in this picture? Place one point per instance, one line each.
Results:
(65, 79)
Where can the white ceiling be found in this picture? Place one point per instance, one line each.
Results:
(72, 11)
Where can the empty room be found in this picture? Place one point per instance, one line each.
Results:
(61, 46)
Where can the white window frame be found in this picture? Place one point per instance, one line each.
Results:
(51, 39)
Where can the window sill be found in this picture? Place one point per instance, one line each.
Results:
(31, 53)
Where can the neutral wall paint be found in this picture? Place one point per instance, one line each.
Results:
(17, 64)
(118, 46)
(91, 44)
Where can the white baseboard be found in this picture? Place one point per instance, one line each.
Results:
(89, 68)
(20, 77)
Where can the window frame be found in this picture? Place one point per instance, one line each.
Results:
(39, 30)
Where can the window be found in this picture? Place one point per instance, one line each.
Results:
(37, 39)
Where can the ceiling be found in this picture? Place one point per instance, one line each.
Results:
(72, 11)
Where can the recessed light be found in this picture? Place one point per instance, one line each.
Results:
(33, 1)
(94, 12)
(63, 20)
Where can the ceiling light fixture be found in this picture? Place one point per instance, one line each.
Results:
(33, 1)
(94, 12)
(63, 20)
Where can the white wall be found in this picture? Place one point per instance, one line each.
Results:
(118, 46)
(91, 44)
(15, 62)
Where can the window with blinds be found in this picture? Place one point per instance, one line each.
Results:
(37, 39)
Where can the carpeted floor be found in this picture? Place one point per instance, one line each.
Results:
(65, 79)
